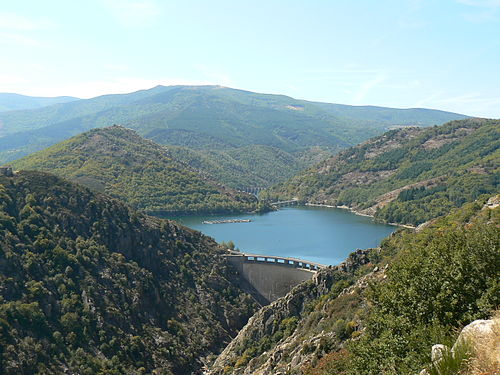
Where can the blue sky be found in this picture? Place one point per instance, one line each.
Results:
(442, 54)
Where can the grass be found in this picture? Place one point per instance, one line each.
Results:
(453, 362)
(472, 355)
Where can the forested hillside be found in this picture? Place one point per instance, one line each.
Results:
(90, 286)
(119, 162)
(381, 310)
(249, 166)
(219, 123)
(407, 175)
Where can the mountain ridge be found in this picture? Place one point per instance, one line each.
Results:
(13, 102)
(408, 175)
(235, 117)
(116, 160)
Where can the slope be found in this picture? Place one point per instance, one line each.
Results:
(88, 285)
(407, 175)
(13, 102)
(119, 162)
(206, 118)
(392, 116)
(381, 310)
(254, 166)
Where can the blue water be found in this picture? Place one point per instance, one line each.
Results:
(317, 234)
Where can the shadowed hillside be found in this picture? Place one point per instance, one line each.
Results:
(90, 286)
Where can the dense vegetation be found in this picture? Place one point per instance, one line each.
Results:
(441, 279)
(381, 312)
(251, 133)
(249, 166)
(117, 161)
(407, 175)
(90, 286)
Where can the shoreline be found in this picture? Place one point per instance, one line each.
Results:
(343, 207)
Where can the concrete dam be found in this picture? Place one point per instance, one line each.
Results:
(270, 277)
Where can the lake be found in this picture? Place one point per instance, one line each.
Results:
(317, 234)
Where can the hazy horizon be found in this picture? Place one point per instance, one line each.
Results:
(399, 54)
(234, 88)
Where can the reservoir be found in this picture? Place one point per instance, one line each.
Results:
(317, 234)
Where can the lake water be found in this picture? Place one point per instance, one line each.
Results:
(317, 234)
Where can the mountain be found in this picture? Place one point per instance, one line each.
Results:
(208, 118)
(381, 310)
(13, 102)
(90, 286)
(408, 175)
(249, 166)
(119, 162)
(389, 116)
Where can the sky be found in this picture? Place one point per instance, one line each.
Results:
(442, 54)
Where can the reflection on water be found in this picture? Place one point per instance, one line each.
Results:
(323, 235)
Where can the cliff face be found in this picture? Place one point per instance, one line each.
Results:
(88, 285)
(294, 331)
(380, 310)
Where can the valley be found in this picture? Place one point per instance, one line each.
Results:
(250, 187)
(243, 138)
(107, 264)
(382, 309)
(322, 235)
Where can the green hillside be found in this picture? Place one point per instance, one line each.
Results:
(381, 310)
(249, 166)
(90, 286)
(407, 175)
(119, 162)
(211, 118)
(393, 116)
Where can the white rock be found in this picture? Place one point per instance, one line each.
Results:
(437, 352)
(476, 332)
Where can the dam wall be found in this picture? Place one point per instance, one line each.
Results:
(272, 277)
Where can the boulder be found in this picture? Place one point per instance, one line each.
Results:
(476, 332)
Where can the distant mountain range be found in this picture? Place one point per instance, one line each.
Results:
(117, 161)
(89, 285)
(407, 175)
(215, 119)
(14, 102)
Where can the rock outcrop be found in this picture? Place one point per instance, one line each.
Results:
(295, 330)
(482, 338)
